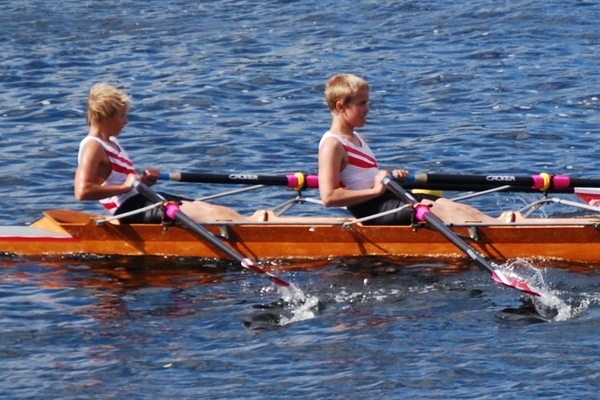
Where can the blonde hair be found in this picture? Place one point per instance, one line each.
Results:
(106, 101)
(343, 87)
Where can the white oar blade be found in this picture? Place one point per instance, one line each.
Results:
(513, 282)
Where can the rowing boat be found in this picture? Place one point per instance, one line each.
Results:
(73, 233)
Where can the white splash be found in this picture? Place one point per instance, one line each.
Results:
(300, 305)
(550, 304)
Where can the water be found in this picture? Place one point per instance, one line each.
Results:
(464, 87)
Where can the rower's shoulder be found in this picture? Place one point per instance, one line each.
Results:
(90, 142)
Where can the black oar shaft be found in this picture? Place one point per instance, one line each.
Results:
(475, 179)
(229, 178)
(476, 187)
(296, 181)
(175, 213)
(542, 181)
(582, 182)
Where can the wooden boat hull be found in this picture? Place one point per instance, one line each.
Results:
(71, 233)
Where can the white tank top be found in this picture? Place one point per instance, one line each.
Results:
(121, 166)
(362, 164)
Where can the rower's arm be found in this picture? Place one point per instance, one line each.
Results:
(332, 160)
(93, 171)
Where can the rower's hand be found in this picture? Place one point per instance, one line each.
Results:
(151, 175)
(378, 185)
(400, 174)
(130, 180)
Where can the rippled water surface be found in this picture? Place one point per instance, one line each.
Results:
(221, 86)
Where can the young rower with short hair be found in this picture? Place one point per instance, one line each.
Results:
(106, 173)
(349, 175)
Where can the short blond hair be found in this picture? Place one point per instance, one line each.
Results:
(106, 101)
(343, 87)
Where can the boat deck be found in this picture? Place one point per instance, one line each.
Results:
(30, 232)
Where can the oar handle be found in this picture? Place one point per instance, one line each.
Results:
(297, 181)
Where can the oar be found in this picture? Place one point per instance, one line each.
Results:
(301, 181)
(173, 211)
(476, 187)
(423, 213)
(543, 181)
(297, 181)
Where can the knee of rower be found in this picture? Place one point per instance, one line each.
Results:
(327, 202)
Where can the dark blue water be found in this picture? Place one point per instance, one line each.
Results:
(219, 86)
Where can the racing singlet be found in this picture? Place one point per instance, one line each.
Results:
(121, 166)
(362, 164)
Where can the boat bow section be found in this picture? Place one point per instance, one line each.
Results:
(37, 239)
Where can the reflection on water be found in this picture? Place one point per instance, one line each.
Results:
(120, 314)
(115, 273)
(110, 282)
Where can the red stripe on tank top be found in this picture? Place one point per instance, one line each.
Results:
(122, 169)
(359, 158)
